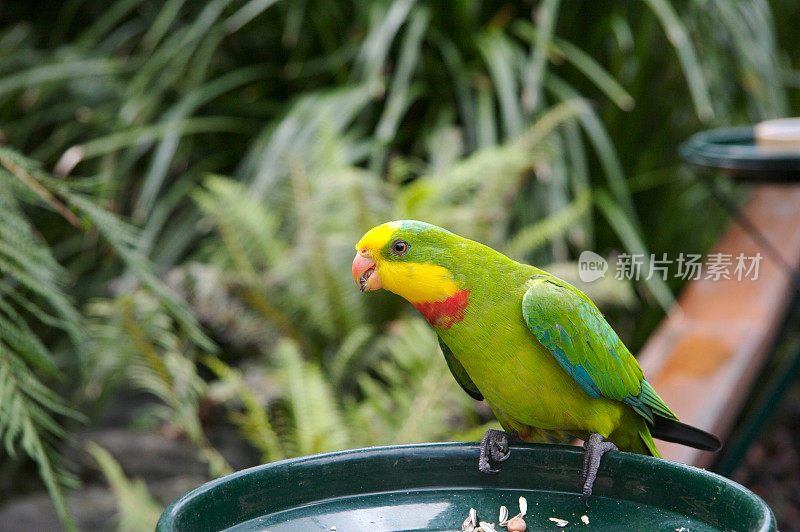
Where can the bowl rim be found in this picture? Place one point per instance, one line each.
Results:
(733, 149)
(171, 515)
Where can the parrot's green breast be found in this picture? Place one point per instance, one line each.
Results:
(514, 372)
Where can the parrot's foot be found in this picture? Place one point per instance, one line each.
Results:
(595, 448)
(494, 445)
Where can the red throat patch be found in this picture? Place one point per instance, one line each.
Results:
(444, 314)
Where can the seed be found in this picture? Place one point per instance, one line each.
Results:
(585, 519)
(523, 506)
(559, 522)
(516, 524)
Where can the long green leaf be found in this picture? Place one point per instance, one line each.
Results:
(633, 243)
(679, 38)
(546, 15)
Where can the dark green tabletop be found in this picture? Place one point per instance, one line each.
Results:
(433, 486)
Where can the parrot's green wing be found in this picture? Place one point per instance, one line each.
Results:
(459, 372)
(568, 324)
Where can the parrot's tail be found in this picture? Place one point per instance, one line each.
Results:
(677, 432)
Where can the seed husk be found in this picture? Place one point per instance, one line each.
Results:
(501, 520)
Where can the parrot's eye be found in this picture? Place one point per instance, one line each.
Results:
(399, 247)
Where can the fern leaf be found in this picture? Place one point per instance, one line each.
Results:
(137, 510)
(26, 424)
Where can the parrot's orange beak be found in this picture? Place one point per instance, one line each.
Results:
(364, 271)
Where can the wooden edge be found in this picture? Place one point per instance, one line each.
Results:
(705, 356)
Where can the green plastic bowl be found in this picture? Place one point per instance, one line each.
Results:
(733, 150)
(433, 486)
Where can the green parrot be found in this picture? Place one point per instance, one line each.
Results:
(533, 346)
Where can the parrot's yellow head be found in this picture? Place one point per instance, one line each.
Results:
(408, 258)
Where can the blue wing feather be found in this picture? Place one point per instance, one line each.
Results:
(571, 327)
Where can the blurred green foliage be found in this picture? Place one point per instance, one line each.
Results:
(210, 165)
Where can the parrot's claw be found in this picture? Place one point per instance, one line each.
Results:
(494, 446)
(595, 448)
